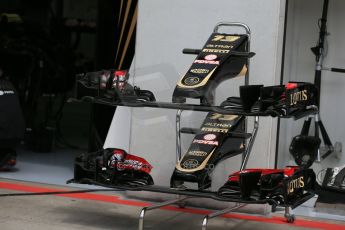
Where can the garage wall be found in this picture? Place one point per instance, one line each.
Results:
(302, 34)
(164, 29)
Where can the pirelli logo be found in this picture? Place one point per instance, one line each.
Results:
(295, 184)
(216, 130)
(216, 51)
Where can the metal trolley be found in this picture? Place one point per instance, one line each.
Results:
(184, 195)
(182, 199)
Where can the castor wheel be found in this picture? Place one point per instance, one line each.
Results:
(181, 204)
(274, 208)
(290, 218)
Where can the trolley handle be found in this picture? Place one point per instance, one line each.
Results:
(232, 24)
(338, 70)
(233, 53)
(191, 51)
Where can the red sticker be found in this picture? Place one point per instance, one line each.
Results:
(209, 137)
(210, 57)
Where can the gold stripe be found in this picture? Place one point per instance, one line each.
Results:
(203, 82)
(243, 71)
(123, 26)
(202, 166)
(120, 12)
(179, 83)
(129, 37)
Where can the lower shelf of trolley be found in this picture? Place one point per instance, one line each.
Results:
(202, 194)
(300, 113)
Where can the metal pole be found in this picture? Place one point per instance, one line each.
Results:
(317, 119)
(156, 206)
(178, 135)
(319, 56)
(319, 49)
(250, 144)
(219, 213)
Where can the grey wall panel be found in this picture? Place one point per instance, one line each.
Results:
(302, 34)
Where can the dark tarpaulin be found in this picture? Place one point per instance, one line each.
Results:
(11, 118)
(116, 32)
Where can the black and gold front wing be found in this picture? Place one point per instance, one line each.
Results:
(210, 145)
(298, 186)
(291, 186)
(213, 65)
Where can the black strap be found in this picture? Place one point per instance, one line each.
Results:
(338, 70)
(306, 127)
(339, 178)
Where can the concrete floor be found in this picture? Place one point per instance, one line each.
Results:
(62, 213)
(52, 168)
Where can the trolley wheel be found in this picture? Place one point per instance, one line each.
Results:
(181, 204)
(290, 218)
